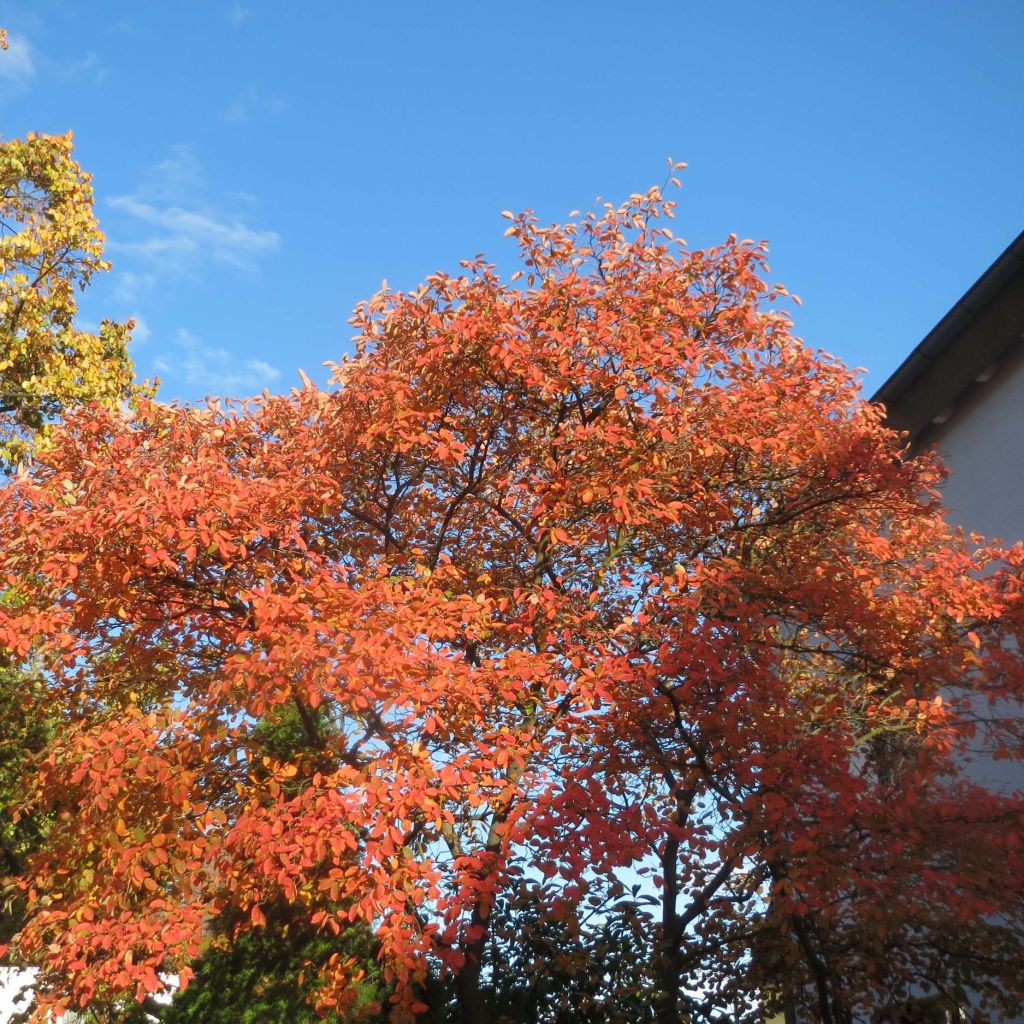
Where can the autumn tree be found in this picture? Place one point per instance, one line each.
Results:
(590, 576)
(50, 246)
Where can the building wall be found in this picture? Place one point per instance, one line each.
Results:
(982, 442)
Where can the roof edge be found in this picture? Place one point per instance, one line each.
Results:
(945, 332)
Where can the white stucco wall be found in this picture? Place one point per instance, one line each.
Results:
(11, 984)
(983, 443)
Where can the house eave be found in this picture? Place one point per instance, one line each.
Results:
(962, 349)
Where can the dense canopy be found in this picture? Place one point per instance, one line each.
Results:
(594, 589)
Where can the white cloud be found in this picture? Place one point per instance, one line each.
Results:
(213, 370)
(263, 369)
(21, 63)
(129, 286)
(170, 226)
(158, 248)
(238, 14)
(251, 104)
(17, 63)
(226, 241)
(175, 178)
(85, 67)
(141, 332)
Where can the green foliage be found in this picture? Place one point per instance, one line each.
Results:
(552, 975)
(268, 976)
(542, 970)
(25, 728)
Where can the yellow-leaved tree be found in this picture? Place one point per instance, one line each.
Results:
(50, 246)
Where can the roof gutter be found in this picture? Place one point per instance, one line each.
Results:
(953, 324)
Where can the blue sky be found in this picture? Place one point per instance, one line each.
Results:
(260, 167)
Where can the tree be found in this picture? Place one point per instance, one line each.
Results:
(50, 245)
(591, 966)
(27, 726)
(599, 570)
(269, 976)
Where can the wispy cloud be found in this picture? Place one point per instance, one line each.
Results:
(177, 176)
(189, 232)
(141, 332)
(206, 367)
(238, 14)
(252, 103)
(130, 286)
(17, 63)
(172, 225)
(88, 66)
(22, 63)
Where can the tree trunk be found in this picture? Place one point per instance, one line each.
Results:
(472, 1006)
(667, 1006)
(669, 959)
